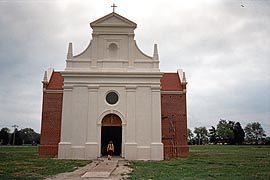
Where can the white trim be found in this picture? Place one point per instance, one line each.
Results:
(112, 91)
(78, 55)
(173, 92)
(87, 73)
(140, 51)
(110, 111)
(52, 91)
(104, 84)
(79, 60)
(162, 92)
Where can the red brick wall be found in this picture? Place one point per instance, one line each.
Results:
(50, 123)
(174, 125)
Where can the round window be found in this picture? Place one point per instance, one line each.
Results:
(112, 98)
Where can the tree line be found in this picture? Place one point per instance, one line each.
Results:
(229, 132)
(19, 137)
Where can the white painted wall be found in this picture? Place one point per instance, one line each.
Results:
(87, 79)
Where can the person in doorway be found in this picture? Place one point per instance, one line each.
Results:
(110, 150)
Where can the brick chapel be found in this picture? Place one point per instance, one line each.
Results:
(113, 91)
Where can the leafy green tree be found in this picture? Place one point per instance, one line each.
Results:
(190, 136)
(18, 139)
(254, 132)
(4, 136)
(238, 134)
(267, 141)
(225, 131)
(213, 136)
(201, 135)
(29, 136)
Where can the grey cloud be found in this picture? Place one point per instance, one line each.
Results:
(223, 48)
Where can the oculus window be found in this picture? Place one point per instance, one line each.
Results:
(112, 98)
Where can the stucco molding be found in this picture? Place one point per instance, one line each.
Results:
(123, 22)
(173, 92)
(111, 111)
(82, 72)
(53, 91)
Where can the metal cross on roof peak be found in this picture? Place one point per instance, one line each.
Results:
(113, 6)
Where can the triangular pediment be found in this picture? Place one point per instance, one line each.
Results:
(113, 19)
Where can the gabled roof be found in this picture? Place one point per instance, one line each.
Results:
(170, 82)
(56, 81)
(113, 19)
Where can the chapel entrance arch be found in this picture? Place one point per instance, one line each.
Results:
(111, 130)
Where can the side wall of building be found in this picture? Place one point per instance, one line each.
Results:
(50, 123)
(174, 124)
(51, 113)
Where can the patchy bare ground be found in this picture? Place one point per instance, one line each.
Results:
(122, 171)
(116, 169)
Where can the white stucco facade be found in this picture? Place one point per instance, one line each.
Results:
(111, 63)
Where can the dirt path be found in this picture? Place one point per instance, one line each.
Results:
(115, 169)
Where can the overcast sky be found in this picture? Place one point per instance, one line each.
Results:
(222, 45)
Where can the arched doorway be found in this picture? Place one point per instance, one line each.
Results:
(111, 129)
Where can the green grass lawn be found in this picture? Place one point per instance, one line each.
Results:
(24, 163)
(204, 162)
(210, 162)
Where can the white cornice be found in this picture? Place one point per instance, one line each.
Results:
(106, 85)
(124, 21)
(173, 92)
(75, 73)
(53, 90)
